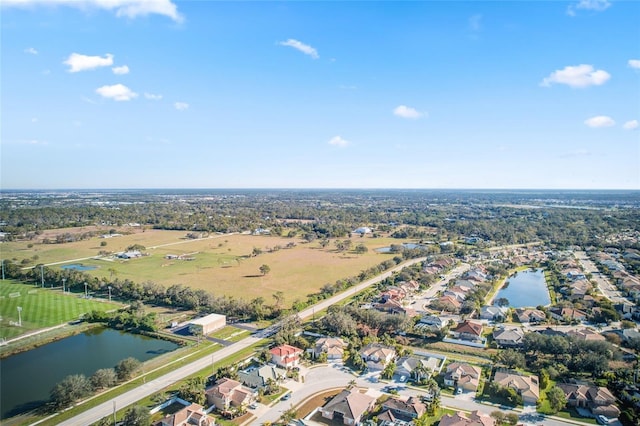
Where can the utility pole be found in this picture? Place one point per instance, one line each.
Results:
(2, 269)
(19, 316)
(42, 274)
(109, 293)
(114, 413)
(63, 281)
(86, 295)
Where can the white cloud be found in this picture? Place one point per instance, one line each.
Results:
(117, 92)
(577, 76)
(122, 8)
(407, 112)
(152, 96)
(600, 121)
(475, 22)
(594, 5)
(631, 125)
(120, 70)
(78, 62)
(181, 106)
(31, 51)
(304, 48)
(338, 141)
(634, 63)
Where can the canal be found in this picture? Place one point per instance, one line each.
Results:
(27, 378)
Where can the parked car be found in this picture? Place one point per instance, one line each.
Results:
(403, 379)
(253, 406)
(459, 391)
(286, 396)
(602, 420)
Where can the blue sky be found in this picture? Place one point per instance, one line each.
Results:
(212, 94)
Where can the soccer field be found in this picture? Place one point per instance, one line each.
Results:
(40, 307)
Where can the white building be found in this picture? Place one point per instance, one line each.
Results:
(206, 325)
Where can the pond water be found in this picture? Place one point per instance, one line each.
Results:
(79, 267)
(27, 378)
(526, 289)
(407, 246)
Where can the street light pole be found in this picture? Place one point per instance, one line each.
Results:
(19, 316)
(42, 274)
(86, 295)
(2, 269)
(63, 281)
(109, 293)
(114, 413)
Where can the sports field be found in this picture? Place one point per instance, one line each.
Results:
(220, 264)
(41, 307)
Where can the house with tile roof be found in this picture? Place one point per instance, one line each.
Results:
(332, 346)
(286, 356)
(468, 330)
(475, 418)
(598, 399)
(527, 386)
(528, 315)
(191, 415)
(377, 355)
(462, 375)
(508, 337)
(227, 393)
(404, 409)
(349, 406)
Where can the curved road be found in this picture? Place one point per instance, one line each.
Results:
(105, 409)
(324, 378)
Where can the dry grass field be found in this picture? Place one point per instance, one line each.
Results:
(220, 264)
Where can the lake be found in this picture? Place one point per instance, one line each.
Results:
(526, 289)
(26, 378)
(78, 267)
(407, 246)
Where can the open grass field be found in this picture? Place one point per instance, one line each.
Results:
(219, 264)
(41, 308)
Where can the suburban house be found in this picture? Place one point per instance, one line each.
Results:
(508, 337)
(598, 399)
(475, 418)
(332, 346)
(526, 386)
(402, 409)
(257, 377)
(191, 415)
(586, 334)
(406, 366)
(377, 356)
(448, 303)
(528, 315)
(493, 313)
(286, 356)
(433, 322)
(393, 306)
(567, 314)
(227, 393)
(468, 330)
(463, 376)
(349, 405)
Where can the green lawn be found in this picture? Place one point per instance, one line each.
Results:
(230, 333)
(41, 307)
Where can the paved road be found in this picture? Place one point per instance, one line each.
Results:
(333, 376)
(94, 414)
(604, 285)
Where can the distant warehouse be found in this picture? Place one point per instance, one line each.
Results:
(206, 325)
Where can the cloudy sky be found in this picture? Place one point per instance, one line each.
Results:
(213, 94)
